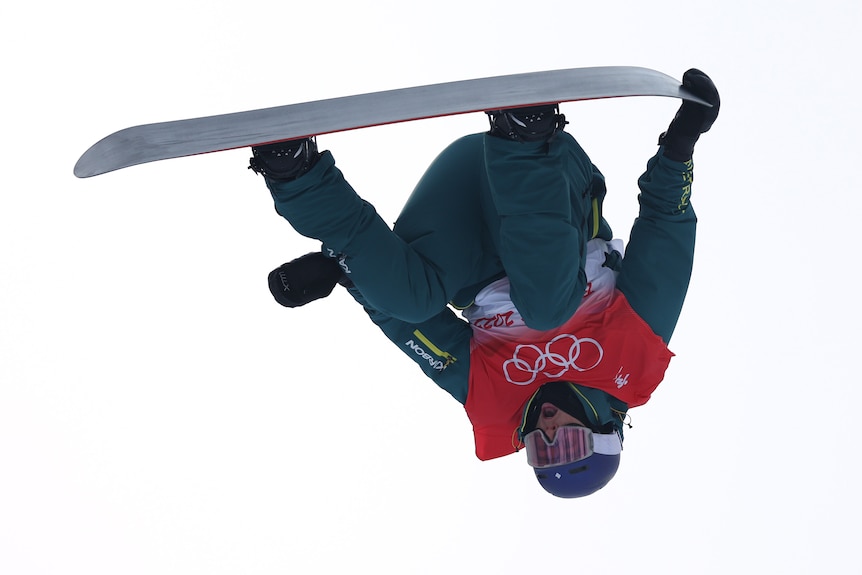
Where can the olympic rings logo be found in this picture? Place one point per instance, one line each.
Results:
(530, 360)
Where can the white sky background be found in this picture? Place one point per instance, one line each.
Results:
(159, 413)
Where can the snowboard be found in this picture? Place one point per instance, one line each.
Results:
(165, 140)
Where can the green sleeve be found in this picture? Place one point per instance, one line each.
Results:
(440, 346)
(660, 254)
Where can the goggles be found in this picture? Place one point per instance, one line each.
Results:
(571, 444)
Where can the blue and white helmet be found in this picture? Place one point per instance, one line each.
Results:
(567, 471)
(579, 460)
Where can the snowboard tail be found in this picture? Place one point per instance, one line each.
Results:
(165, 140)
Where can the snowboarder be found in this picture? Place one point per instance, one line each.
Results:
(562, 334)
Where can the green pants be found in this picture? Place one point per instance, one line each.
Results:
(485, 208)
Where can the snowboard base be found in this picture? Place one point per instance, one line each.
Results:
(165, 140)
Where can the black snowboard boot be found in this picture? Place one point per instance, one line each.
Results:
(284, 160)
(532, 124)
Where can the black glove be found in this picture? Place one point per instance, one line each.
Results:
(692, 119)
(305, 279)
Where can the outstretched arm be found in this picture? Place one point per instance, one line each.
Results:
(658, 261)
(659, 257)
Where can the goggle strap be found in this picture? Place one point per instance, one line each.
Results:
(607, 443)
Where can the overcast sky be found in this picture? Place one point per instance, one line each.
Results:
(159, 413)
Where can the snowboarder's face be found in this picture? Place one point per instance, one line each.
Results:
(552, 418)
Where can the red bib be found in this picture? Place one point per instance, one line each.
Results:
(613, 350)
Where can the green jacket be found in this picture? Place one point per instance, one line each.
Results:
(485, 208)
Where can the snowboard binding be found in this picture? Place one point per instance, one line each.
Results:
(532, 124)
(284, 161)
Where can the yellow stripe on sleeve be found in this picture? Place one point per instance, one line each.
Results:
(436, 350)
(595, 217)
